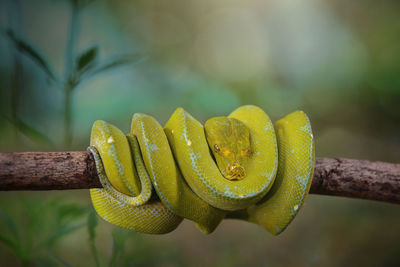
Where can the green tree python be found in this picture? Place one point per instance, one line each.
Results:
(241, 166)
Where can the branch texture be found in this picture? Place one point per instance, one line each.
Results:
(76, 170)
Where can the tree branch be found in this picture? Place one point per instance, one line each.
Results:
(76, 170)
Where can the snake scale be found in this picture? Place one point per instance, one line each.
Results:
(241, 166)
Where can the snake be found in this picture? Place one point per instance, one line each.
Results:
(241, 166)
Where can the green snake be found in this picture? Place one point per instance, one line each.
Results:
(241, 166)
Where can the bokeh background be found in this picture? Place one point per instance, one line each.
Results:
(65, 64)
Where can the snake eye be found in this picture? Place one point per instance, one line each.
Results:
(216, 148)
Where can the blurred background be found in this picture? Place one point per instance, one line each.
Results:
(65, 64)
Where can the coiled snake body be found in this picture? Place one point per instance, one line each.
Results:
(241, 166)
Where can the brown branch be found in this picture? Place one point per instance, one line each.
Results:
(48, 171)
(364, 179)
(76, 170)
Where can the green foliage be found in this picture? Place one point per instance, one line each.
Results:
(86, 59)
(87, 64)
(14, 240)
(80, 4)
(30, 132)
(92, 223)
(119, 238)
(115, 62)
(38, 227)
(35, 231)
(31, 52)
(132, 249)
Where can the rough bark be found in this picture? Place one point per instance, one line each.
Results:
(47, 171)
(364, 179)
(76, 170)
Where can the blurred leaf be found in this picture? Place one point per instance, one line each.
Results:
(87, 58)
(38, 206)
(52, 219)
(9, 243)
(62, 231)
(93, 69)
(45, 261)
(38, 212)
(80, 4)
(92, 224)
(16, 244)
(67, 212)
(10, 223)
(116, 62)
(119, 238)
(60, 261)
(29, 50)
(31, 132)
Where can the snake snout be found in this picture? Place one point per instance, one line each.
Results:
(235, 172)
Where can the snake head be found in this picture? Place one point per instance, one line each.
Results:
(229, 141)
